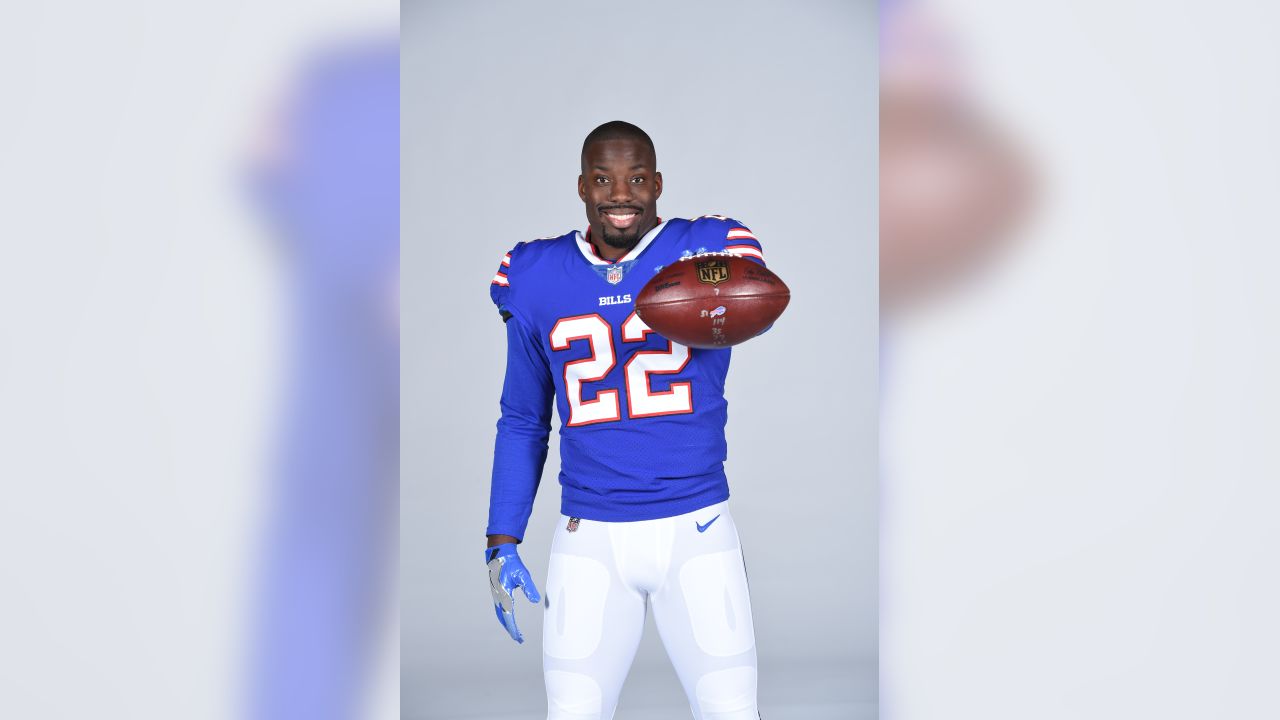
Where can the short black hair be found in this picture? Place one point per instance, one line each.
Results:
(617, 130)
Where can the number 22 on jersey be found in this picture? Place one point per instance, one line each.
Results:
(642, 401)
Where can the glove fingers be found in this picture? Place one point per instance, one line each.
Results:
(508, 621)
(531, 591)
(520, 579)
(512, 629)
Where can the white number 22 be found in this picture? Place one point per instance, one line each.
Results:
(642, 401)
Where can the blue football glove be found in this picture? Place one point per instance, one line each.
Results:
(506, 573)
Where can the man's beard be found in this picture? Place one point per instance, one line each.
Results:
(621, 239)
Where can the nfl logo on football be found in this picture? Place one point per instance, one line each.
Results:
(614, 276)
(713, 272)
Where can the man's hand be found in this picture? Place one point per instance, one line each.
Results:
(506, 573)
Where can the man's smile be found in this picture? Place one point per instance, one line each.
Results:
(621, 217)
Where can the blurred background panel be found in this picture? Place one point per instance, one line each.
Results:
(1079, 401)
(180, 264)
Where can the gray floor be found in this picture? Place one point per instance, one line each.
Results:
(854, 711)
(812, 691)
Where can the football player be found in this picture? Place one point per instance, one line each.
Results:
(645, 521)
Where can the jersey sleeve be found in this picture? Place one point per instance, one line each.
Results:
(500, 286)
(520, 450)
(739, 240)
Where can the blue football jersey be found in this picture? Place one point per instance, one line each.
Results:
(642, 418)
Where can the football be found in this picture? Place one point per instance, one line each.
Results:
(712, 300)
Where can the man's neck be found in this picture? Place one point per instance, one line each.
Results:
(609, 252)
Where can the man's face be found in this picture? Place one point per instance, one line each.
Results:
(620, 187)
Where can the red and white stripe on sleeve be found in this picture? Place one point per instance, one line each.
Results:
(741, 241)
(501, 277)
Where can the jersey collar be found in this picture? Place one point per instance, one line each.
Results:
(589, 251)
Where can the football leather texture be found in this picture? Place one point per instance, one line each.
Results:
(713, 300)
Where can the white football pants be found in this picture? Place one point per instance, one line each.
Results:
(603, 577)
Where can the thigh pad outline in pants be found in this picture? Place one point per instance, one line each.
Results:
(703, 612)
(592, 626)
(597, 584)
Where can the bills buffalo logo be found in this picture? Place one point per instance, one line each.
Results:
(713, 272)
(573, 525)
(614, 275)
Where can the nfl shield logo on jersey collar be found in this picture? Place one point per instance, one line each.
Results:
(614, 273)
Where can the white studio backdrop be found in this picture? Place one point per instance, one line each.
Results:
(763, 112)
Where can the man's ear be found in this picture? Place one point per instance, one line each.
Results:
(582, 188)
(657, 185)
